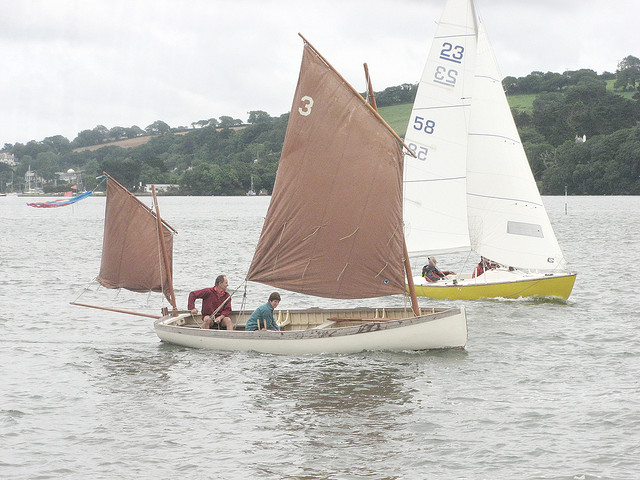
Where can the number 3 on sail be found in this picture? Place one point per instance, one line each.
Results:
(307, 107)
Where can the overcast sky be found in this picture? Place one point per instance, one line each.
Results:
(67, 66)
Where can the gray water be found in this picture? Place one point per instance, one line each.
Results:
(544, 390)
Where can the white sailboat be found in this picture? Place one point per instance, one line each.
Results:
(470, 187)
(321, 237)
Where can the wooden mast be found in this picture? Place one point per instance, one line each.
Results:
(407, 265)
(164, 249)
(372, 97)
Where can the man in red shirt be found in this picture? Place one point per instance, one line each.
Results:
(216, 304)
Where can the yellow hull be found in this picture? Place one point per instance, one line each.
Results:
(556, 286)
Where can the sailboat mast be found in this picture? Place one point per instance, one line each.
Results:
(412, 288)
(372, 97)
(164, 248)
(407, 264)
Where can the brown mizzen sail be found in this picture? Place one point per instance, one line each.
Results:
(132, 256)
(334, 224)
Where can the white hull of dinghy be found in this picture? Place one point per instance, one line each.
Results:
(314, 331)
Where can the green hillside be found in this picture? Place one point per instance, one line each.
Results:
(397, 116)
(628, 95)
(222, 157)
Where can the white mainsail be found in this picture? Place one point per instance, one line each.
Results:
(507, 220)
(435, 182)
(472, 188)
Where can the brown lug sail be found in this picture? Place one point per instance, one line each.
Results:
(334, 224)
(132, 255)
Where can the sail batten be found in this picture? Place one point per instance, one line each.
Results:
(132, 256)
(341, 201)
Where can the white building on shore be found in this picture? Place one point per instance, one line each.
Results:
(162, 187)
(8, 158)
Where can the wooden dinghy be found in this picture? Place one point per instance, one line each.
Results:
(321, 237)
(326, 331)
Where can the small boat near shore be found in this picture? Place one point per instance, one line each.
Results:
(61, 202)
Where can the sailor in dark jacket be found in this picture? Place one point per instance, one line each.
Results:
(433, 273)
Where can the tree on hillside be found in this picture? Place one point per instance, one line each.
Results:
(549, 117)
(47, 165)
(553, 82)
(227, 122)
(591, 110)
(574, 77)
(510, 85)
(95, 136)
(538, 82)
(58, 143)
(158, 128)
(585, 109)
(125, 170)
(628, 73)
(212, 122)
(258, 116)
(530, 83)
(405, 93)
(85, 138)
(117, 133)
(134, 131)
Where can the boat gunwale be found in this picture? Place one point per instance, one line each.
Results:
(311, 332)
(465, 283)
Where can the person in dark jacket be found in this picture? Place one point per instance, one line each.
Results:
(480, 268)
(433, 273)
(485, 264)
(216, 304)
